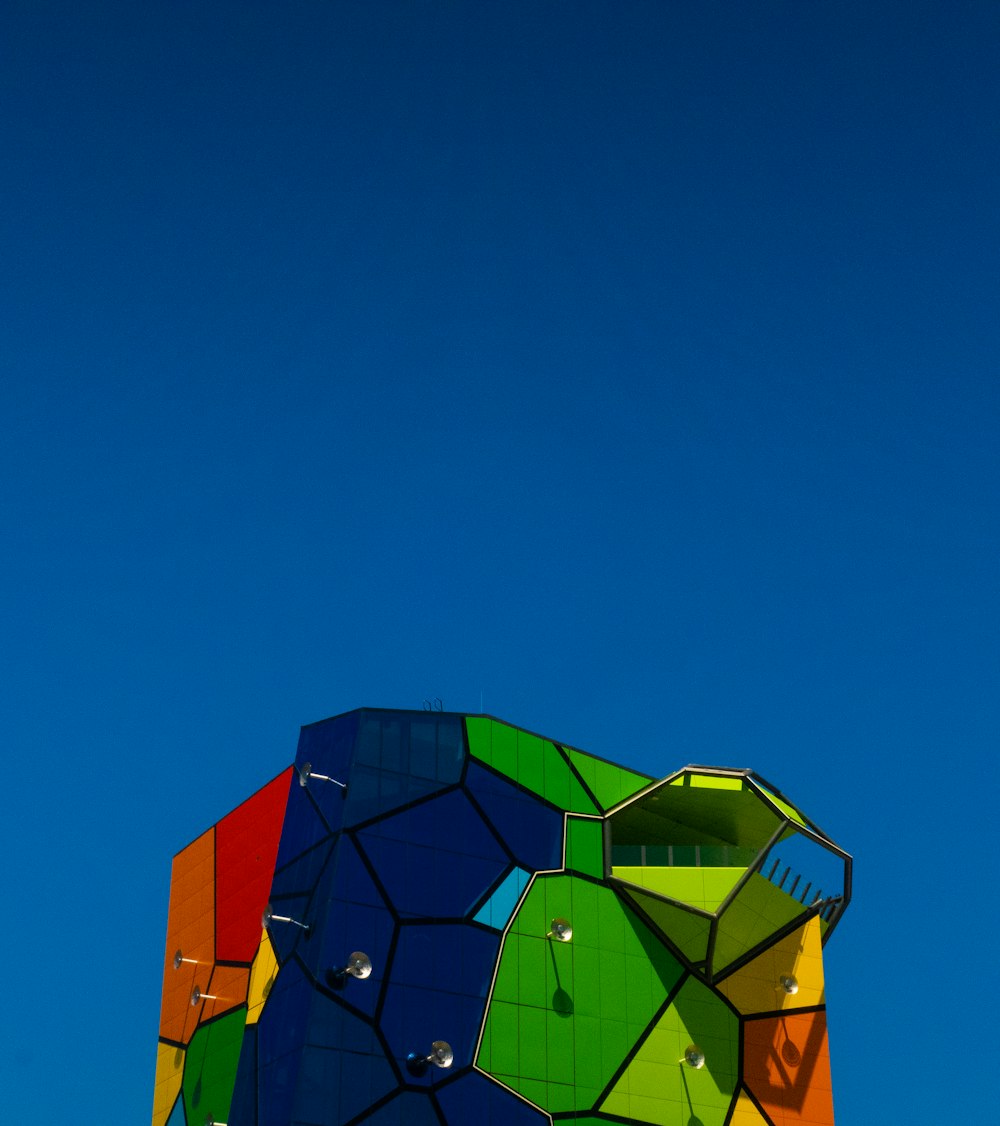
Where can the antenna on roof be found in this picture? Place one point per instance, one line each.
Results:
(435, 705)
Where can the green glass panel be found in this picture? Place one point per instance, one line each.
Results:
(709, 781)
(757, 913)
(609, 783)
(785, 807)
(585, 846)
(686, 930)
(535, 763)
(704, 888)
(580, 1004)
(210, 1067)
(657, 1088)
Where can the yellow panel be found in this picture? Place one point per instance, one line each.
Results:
(262, 975)
(746, 1114)
(169, 1073)
(755, 988)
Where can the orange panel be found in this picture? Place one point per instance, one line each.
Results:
(191, 930)
(228, 984)
(246, 847)
(786, 1066)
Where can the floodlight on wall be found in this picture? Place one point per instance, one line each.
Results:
(441, 1056)
(561, 931)
(693, 1057)
(306, 774)
(269, 917)
(197, 996)
(359, 965)
(789, 983)
(179, 960)
(210, 1121)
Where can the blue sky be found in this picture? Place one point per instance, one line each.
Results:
(630, 367)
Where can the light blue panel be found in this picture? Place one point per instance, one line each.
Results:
(177, 1114)
(497, 910)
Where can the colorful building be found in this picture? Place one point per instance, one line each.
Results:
(434, 919)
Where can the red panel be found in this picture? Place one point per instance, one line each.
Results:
(246, 847)
(786, 1065)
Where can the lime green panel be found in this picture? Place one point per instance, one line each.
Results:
(535, 763)
(704, 888)
(609, 783)
(709, 781)
(585, 846)
(656, 1087)
(759, 911)
(686, 930)
(563, 1015)
(210, 1067)
(785, 807)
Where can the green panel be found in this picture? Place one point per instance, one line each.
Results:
(709, 781)
(656, 1087)
(686, 930)
(785, 807)
(585, 846)
(704, 888)
(535, 763)
(759, 911)
(210, 1067)
(563, 1015)
(609, 783)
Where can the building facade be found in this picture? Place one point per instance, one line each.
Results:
(435, 919)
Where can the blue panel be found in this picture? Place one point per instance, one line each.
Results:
(408, 1109)
(244, 1105)
(281, 1035)
(436, 859)
(399, 757)
(328, 748)
(497, 910)
(440, 976)
(343, 1068)
(177, 1114)
(293, 894)
(303, 826)
(350, 915)
(532, 831)
(474, 1098)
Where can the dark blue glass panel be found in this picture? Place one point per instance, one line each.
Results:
(474, 1098)
(303, 826)
(343, 1069)
(436, 860)
(399, 757)
(440, 976)
(349, 915)
(329, 745)
(409, 1108)
(281, 1037)
(244, 1105)
(532, 831)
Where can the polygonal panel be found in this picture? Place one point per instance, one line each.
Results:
(497, 910)
(786, 1065)
(758, 912)
(437, 990)
(745, 1113)
(281, 1036)
(262, 975)
(756, 987)
(563, 1015)
(169, 1072)
(408, 1108)
(224, 990)
(476, 1098)
(533, 832)
(191, 931)
(246, 847)
(658, 1087)
(437, 859)
(585, 846)
(535, 763)
(210, 1068)
(704, 888)
(609, 783)
(688, 931)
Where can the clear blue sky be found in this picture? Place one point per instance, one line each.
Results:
(633, 365)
